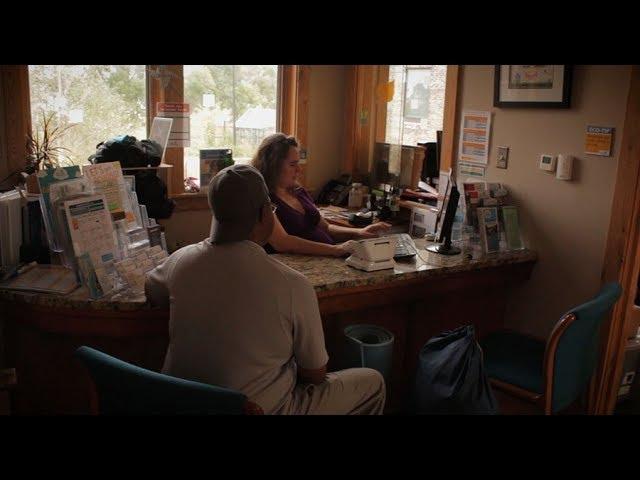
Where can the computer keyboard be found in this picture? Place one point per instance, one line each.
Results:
(405, 248)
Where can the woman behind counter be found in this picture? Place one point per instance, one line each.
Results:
(299, 227)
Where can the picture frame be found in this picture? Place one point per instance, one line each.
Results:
(537, 86)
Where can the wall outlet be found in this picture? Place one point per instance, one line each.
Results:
(503, 157)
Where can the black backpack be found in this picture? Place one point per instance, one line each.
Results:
(129, 151)
(133, 153)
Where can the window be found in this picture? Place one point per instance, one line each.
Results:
(232, 106)
(416, 111)
(98, 102)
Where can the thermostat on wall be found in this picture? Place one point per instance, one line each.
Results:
(548, 163)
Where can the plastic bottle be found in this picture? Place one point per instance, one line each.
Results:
(394, 202)
(355, 196)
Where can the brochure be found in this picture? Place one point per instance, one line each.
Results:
(512, 227)
(107, 179)
(92, 233)
(489, 229)
(46, 178)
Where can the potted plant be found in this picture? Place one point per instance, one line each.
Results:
(44, 151)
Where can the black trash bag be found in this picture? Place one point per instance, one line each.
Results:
(129, 151)
(152, 193)
(450, 378)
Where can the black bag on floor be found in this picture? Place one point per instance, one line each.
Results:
(450, 378)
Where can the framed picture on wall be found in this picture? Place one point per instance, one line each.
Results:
(542, 86)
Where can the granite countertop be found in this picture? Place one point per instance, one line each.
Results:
(326, 274)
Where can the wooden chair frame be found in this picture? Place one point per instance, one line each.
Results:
(544, 399)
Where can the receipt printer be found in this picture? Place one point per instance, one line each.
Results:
(373, 254)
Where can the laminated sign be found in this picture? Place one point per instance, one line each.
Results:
(598, 140)
(180, 135)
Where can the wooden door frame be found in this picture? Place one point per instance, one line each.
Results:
(622, 255)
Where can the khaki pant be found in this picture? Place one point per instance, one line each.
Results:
(356, 391)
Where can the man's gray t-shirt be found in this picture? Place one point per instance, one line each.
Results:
(239, 319)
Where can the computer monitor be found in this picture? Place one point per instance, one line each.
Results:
(445, 247)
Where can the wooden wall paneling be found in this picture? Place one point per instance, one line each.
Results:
(350, 119)
(287, 99)
(302, 114)
(381, 105)
(4, 163)
(622, 254)
(449, 128)
(16, 109)
(172, 76)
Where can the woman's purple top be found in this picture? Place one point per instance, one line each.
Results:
(304, 225)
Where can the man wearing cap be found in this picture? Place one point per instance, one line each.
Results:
(243, 320)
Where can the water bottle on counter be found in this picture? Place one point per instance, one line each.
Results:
(355, 196)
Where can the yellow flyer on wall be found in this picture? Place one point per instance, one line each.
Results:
(598, 140)
(474, 137)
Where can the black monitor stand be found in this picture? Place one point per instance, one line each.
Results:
(445, 247)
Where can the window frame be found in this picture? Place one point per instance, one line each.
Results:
(366, 117)
(291, 118)
(15, 115)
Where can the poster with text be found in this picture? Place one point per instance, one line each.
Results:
(180, 135)
(474, 137)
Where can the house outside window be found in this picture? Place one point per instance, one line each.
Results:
(232, 106)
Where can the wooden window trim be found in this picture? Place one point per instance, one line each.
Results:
(293, 106)
(15, 120)
(292, 118)
(168, 86)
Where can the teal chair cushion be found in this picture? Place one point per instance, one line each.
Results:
(518, 360)
(126, 389)
(515, 359)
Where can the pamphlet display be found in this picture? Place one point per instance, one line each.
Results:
(92, 235)
(133, 270)
(46, 178)
(108, 179)
(512, 227)
(489, 229)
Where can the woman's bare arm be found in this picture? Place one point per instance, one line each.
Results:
(285, 243)
(341, 234)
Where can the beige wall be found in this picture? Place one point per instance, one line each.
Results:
(326, 124)
(325, 138)
(565, 222)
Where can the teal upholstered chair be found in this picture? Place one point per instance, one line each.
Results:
(557, 372)
(125, 389)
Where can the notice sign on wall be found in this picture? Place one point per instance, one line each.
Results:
(180, 128)
(474, 138)
(598, 140)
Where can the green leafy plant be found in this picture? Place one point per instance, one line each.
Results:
(43, 148)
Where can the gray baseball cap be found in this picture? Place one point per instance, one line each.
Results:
(236, 195)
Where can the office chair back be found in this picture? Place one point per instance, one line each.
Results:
(576, 339)
(125, 389)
